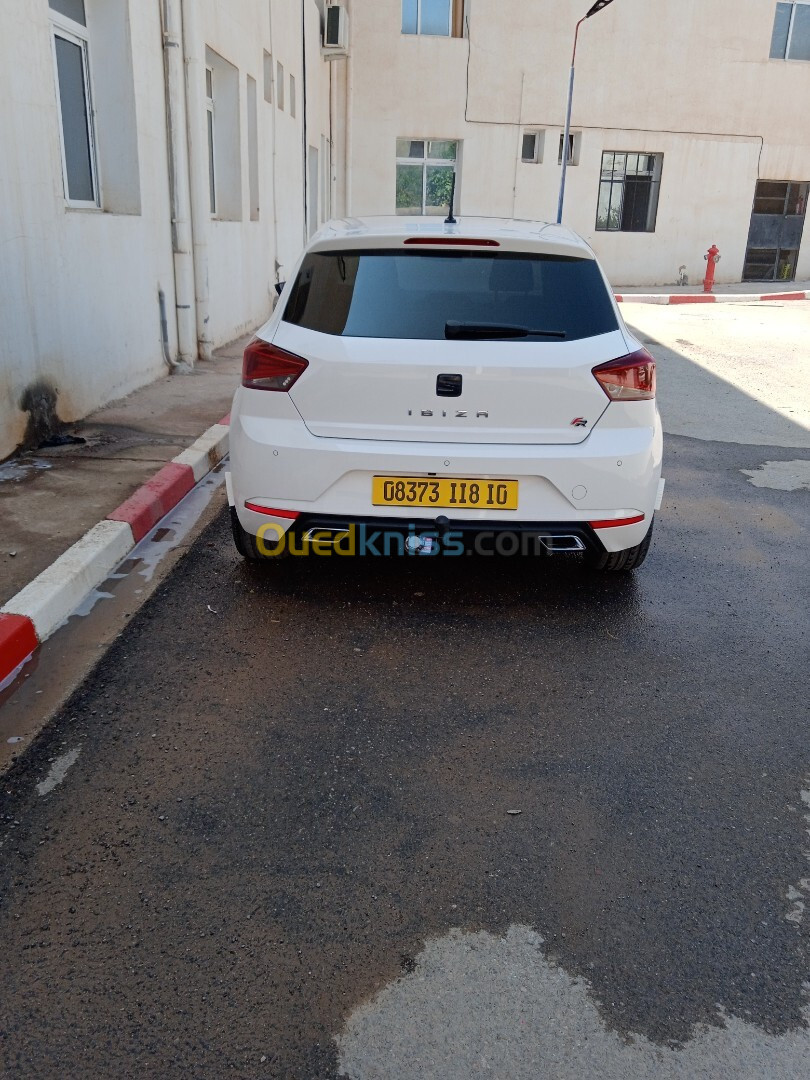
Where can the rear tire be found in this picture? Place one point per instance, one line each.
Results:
(246, 543)
(621, 561)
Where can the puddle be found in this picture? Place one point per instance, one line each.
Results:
(21, 469)
(799, 895)
(479, 1005)
(780, 475)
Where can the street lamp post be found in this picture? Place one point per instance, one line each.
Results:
(597, 7)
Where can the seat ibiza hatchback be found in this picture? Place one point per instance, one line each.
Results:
(426, 388)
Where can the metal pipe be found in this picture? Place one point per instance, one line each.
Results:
(596, 7)
(348, 137)
(274, 113)
(164, 331)
(568, 125)
(194, 50)
(304, 135)
(179, 187)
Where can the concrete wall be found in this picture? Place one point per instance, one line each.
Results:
(79, 288)
(685, 78)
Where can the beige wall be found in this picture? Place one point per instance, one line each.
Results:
(690, 79)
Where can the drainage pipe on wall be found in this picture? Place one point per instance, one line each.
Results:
(273, 114)
(194, 50)
(175, 75)
(304, 135)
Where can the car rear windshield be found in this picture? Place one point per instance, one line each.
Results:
(414, 294)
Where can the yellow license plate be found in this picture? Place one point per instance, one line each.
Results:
(446, 493)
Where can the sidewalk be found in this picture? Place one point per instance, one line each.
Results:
(737, 292)
(50, 498)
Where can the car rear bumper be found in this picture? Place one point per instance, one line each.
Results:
(324, 534)
(613, 474)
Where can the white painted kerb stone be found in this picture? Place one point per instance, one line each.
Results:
(206, 452)
(50, 598)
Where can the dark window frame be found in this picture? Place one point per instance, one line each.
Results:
(430, 164)
(648, 178)
(537, 139)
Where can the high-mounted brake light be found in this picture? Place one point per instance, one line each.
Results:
(450, 241)
(266, 367)
(630, 378)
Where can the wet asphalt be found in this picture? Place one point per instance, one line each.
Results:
(291, 778)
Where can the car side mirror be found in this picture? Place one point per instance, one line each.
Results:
(280, 287)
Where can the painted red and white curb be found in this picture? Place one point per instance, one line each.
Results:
(706, 298)
(31, 616)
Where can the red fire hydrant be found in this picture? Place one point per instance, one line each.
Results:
(712, 259)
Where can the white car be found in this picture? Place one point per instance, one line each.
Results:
(428, 388)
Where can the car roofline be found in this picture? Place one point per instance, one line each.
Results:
(432, 234)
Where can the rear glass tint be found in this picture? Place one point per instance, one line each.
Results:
(413, 294)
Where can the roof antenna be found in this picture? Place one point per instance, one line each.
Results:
(450, 220)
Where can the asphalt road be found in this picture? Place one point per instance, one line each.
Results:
(270, 836)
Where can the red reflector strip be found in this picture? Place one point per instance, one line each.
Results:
(616, 522)
(271, 511)
(451, 241)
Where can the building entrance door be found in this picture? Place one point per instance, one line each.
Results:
(775, 235)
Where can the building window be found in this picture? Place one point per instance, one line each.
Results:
(268, 78)
(532, 147)
(574, 143)
(70, 45)
(628, 192)
(326, 179)
(436, 18)
(223, 128)
(253, 146)
(280, 86)
(791, 31)
(425, 170)
(777, 223)
(209, 119)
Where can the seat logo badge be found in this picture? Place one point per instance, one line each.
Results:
(579, 421)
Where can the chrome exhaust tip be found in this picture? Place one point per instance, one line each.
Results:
(556, 545)
(329, 537)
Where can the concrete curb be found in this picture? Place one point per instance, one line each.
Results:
(154, 499)
(40, 608)
(57, 591)
(707, 298)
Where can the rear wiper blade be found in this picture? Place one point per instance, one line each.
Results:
(454, 330)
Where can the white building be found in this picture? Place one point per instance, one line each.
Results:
(681, 109)
(153, 187)
(162, 161)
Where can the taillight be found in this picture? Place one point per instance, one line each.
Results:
(630, 378)
(266, 367)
